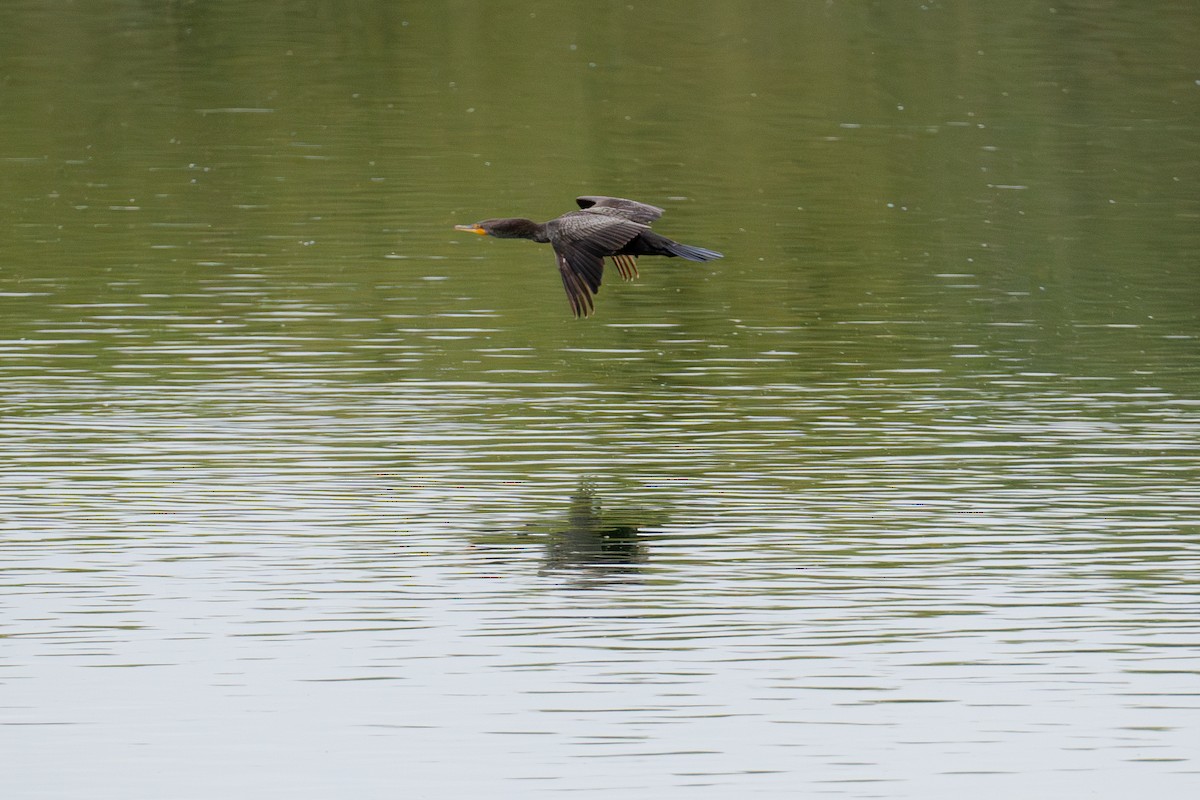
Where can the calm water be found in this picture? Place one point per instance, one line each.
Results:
(306, 495)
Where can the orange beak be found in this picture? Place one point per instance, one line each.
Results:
(471, 228)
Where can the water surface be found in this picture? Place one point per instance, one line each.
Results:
(306, 495)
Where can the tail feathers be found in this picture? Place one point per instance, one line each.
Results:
(693, 253)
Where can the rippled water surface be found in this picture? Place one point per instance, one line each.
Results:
(306, 495)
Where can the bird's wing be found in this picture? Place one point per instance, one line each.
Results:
(579, 294)
(620, 207)
(581, 242)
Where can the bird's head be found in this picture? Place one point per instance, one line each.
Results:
(501, 228)
(474, 227)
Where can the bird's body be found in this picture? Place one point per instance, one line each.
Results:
(603, 227)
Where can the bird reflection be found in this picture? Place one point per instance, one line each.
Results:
(594, 541)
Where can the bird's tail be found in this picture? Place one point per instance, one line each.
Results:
(692, 253)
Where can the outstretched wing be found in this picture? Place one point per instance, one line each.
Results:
(579, 291)
(642, 213)
(581, 242)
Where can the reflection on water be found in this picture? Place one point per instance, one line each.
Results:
(604, 545)
(897, 500)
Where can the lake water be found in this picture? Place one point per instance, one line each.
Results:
(305, 494)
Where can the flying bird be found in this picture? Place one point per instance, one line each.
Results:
(604, 227)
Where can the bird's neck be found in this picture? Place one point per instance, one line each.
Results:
(520, 228)
(533, 230)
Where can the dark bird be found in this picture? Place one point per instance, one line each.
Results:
(604, 227)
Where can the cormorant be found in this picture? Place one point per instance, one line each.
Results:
(604, 227)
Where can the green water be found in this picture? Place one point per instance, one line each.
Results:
(304, 492)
